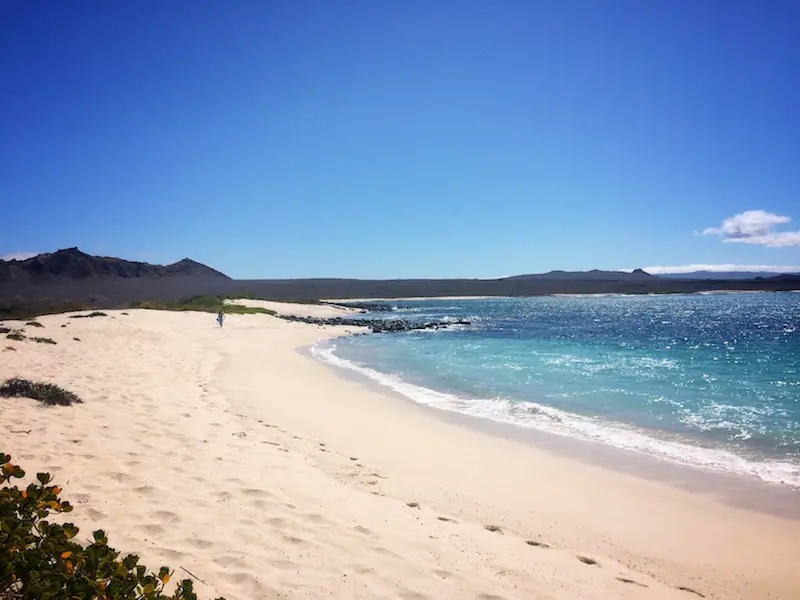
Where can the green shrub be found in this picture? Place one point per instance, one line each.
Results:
(89, 316)
(5, 330)
(34, 324)
(17, 336)
(46, 393)
(43, 340)
(42, 560)
(212, 304)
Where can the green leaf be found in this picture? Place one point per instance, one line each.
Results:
(130, 561)
(44, 478)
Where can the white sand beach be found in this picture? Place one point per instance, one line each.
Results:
(266, 474)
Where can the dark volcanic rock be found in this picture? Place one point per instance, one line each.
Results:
(377, 325)
(368, 306)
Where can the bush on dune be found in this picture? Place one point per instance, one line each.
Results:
(210, 304)
(17, 336)
(34, 324)
(91, 315)
(42, 560)
(46, 393)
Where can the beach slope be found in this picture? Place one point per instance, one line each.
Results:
(233, 454)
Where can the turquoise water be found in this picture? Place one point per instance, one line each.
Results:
(710, 380)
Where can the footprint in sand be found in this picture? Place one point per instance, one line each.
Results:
(443, 574)
(152, 528)
(363, 530)
(691, 591)
(165, 516)
(95, 514)
(413, 596)
(316, 518)
(447, 519)
(626, 580)
(493, 528)
(537, 544)
(293, 540)
(587, 561)
(256, 493)
(223, 496)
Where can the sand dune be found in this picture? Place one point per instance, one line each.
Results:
(268, 475)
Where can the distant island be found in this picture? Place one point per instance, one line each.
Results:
(72, 277)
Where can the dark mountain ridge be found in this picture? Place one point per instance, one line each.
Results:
(72, 264)
(593, 275)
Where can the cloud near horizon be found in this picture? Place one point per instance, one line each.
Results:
(18, 255)
(669, 270)
(756, 227)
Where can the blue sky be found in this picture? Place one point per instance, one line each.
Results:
(403, 138)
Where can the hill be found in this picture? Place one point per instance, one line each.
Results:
(72, 264)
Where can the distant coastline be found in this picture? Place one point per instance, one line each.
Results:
(70, 279)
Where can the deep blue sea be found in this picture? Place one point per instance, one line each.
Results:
(710, 380)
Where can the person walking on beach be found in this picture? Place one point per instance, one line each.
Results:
(220, 319)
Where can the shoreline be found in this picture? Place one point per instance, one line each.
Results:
(734, 489)
(598, 451)
(266, 473)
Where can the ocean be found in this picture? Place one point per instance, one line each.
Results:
(708, 380)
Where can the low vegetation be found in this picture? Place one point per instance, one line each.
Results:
(43, 560)
(17, 336)
(29, 311)
(91, 315)
(34, 324)
(43, 340)
(46, 393)
(5, 330)
(210, 304)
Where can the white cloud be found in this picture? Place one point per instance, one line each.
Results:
(18, 255)
(755, 227)
(720, 269)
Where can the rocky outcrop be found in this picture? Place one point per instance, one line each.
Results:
(365, 306)
(376, 325)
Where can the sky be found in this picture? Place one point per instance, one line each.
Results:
(383, 139)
